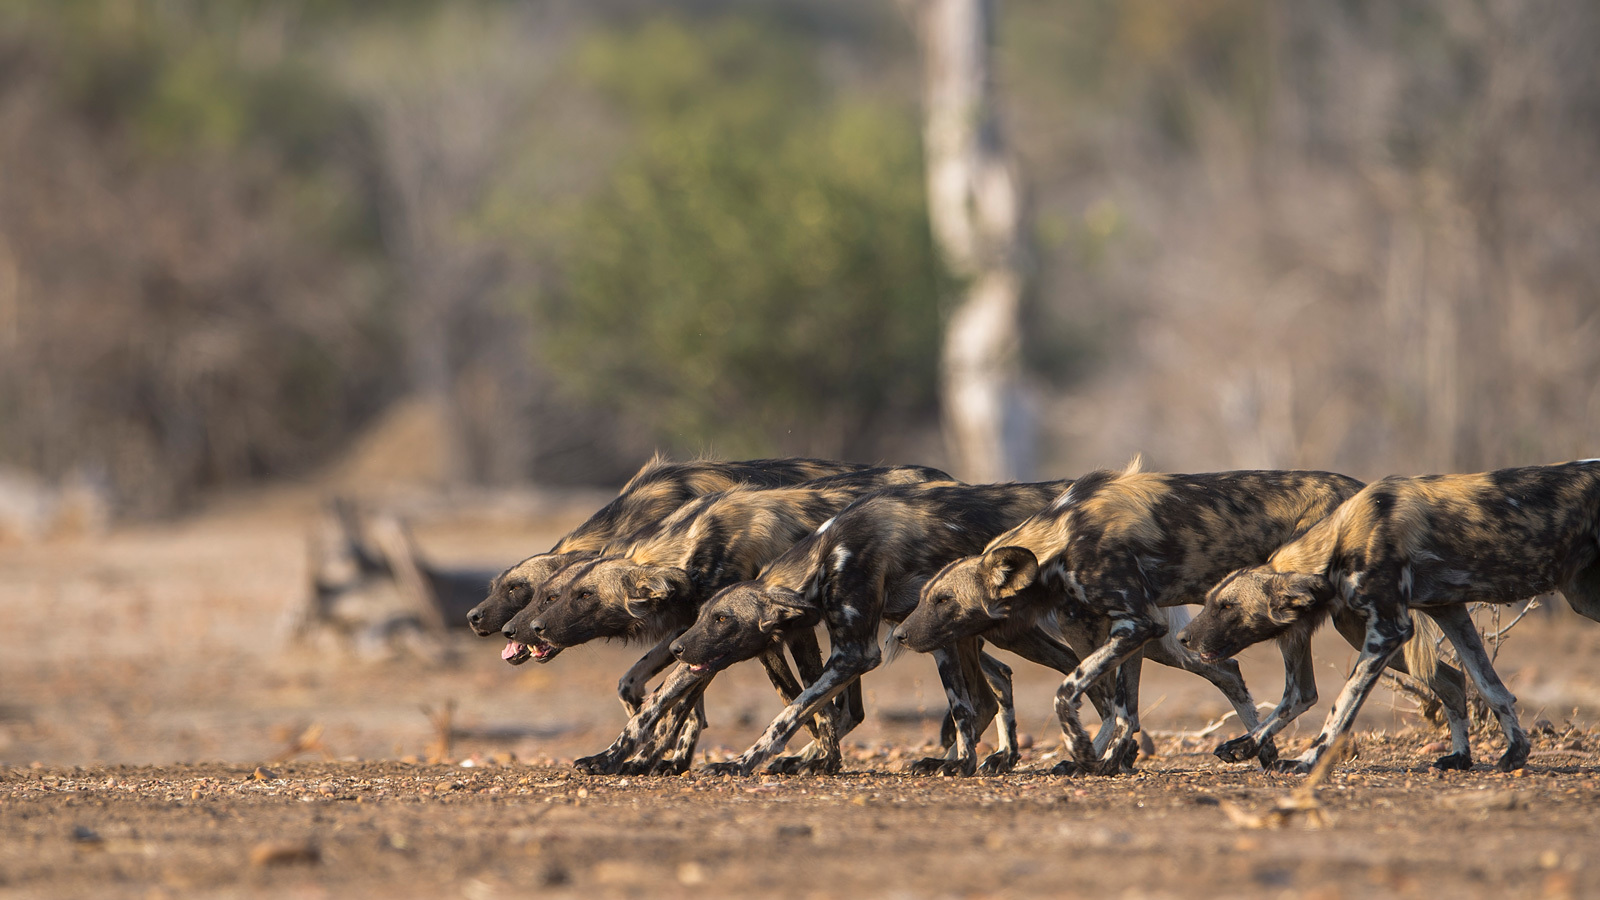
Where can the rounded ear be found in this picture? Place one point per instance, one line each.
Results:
(779, 609)
(1005, 571)
(1299, 592)
(646, 586)
(651, 583)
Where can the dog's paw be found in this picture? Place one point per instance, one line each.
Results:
(1290, 767)
(598, 764)
(636, 766)
(1515, 757)
(999, 762)
(822, 765)
(731, 767)
(1240, 749)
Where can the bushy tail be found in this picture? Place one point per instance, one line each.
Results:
(1422, 651)
(1176, 618)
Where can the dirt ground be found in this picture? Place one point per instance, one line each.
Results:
(158, 738)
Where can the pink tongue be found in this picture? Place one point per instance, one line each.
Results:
(513, 648)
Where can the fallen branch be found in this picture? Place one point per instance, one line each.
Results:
(1207, 731)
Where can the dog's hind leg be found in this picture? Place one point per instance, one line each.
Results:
(1457, 625)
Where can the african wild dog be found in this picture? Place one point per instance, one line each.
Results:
(1419, 658)
(862, 567)
(652, 587)
(658, 488)
(1431, 543)
(1120, 546)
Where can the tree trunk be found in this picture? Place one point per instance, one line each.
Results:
(976, 213)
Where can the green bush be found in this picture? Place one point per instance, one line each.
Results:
(758, 262)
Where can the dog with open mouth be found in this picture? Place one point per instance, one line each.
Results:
(654, 492)
(650, 589)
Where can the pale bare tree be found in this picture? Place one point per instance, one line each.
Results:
(443, 111)
(976, 210)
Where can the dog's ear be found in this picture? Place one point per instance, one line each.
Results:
(1003, 573)
(779, 610)
(1294, 594)
(647, 586)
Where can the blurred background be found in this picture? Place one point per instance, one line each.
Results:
(257, 253)
(511, 242)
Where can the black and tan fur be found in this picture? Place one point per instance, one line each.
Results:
(1120, 547)
(653, 493)
(652, 588)
(864, 567)
(1430, 543)
(1419, 658)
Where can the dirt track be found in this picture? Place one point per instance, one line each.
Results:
(125, 659)
(389, 829)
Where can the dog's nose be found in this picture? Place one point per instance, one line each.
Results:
(537, 628)
(1183, 638)
(677, 649)
(509, 630)
(475, 618)
(901, 637)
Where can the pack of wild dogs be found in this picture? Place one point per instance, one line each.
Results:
(713, 563)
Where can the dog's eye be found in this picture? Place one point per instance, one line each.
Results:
(586, 595)
(722, 618)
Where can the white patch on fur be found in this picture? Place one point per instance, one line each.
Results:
(1055, 573)
(1072, 583)
(1595, 460)
(953, 527)
(825, 525)
(841, 558)
(1513, 502)
(1051, 622)
(1348, 582)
